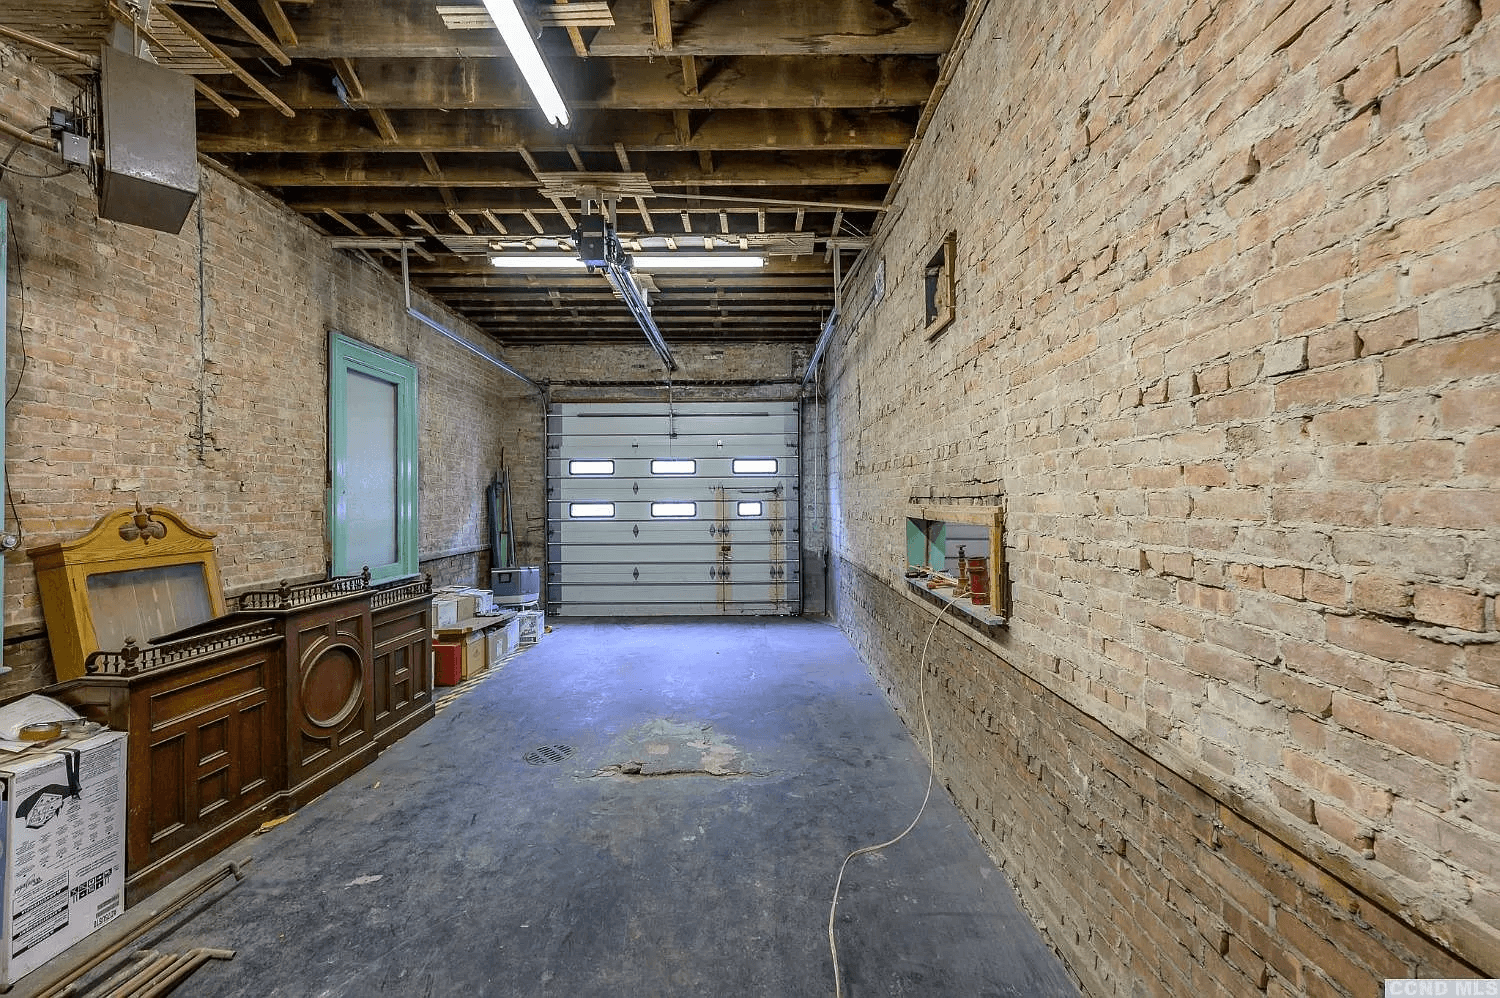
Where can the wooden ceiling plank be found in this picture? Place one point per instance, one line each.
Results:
(239, 71)
(690, 74)
(535, 223)
(280, 24)
(249, 27)
(577, 159)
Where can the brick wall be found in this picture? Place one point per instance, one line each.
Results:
(1227, 352)
(133, 385)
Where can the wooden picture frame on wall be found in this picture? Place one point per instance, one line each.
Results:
(938, 286)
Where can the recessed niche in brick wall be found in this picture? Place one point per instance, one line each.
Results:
(938, 287)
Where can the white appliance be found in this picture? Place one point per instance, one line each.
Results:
(63, 849)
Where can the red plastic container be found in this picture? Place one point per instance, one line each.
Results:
(447, 663)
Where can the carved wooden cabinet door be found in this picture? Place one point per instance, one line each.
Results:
(330, 713)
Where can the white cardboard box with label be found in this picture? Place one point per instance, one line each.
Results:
(63, 848)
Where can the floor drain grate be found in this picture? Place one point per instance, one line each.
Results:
(548, 754)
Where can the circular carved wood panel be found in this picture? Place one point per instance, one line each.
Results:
(332, 685)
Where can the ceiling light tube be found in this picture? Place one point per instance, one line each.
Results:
(682, 261)
(529, 58)
(695, 261)
(537, 262)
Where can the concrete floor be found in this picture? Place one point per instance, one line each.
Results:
(720, 772)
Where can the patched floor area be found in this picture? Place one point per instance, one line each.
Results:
(674, 748)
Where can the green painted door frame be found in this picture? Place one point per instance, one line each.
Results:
(348, 356)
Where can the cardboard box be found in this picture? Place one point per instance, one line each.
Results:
(502, 642)
(447, 663)
(468, 605)
(531, 624)
(63, 869)
(444, 611)
(476, 654)
(484, 601)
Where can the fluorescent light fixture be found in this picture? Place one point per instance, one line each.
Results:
(533, 261)
(683, 261)
(529, 58)
(696, 261)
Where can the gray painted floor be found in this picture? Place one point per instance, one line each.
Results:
(740, 762)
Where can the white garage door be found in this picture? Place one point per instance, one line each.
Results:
(683, 509)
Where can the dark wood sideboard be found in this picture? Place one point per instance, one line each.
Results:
(256, 712)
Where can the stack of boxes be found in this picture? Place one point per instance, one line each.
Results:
(471, 633)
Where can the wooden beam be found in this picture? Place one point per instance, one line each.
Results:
(258, 36)
(773, 170)
(577, 159)
(346, 72)
(384, 127)
(460, 221)
(706, 160)
(215, 98)
(661, 19)
(749, 82)
(484, 132)
(387, 224)
(408, 29)
(342, 220)
(277, 18)
(535, 224)
(421, 223)
(576, 37)
(242, 74)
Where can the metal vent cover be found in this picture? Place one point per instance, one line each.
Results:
(546, 755)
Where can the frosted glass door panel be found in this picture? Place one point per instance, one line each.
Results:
(369, 497)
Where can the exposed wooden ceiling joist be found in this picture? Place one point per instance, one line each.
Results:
(775, 126)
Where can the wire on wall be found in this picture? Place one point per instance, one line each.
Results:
(15, 250)
(833, 946)
(202, 341)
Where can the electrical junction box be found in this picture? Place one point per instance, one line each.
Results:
(593, 239)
